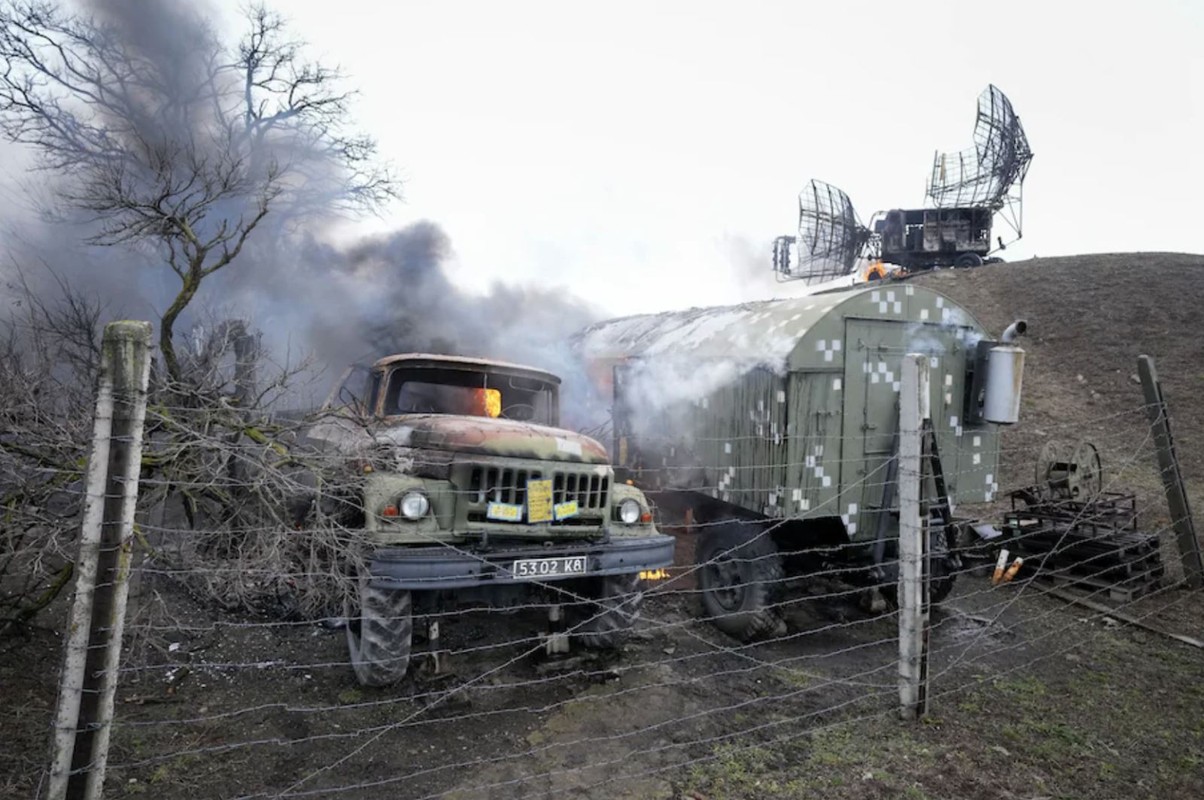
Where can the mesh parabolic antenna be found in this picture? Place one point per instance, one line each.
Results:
(830, 236)
(991, 173)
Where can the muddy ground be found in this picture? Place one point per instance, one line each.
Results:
(1030, 697)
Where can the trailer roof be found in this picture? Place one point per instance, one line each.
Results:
(764, 333)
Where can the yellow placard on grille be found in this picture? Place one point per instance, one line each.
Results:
(539, 500)
(565, 510)
(504, 512)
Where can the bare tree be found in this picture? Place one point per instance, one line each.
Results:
(214, 466)
(49, 358)
(180, 142)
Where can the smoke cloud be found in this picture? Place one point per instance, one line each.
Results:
(339, 303)
(390, 293)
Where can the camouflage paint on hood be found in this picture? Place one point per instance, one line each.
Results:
(488, 436)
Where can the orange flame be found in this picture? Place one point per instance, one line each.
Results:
(489, 401)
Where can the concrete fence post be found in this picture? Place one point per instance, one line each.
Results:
(913, 409)
(97, 618)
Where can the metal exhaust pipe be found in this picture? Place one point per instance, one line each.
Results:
(1014, 331)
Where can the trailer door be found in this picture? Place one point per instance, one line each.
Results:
(872, 376)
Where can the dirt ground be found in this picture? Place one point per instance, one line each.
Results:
(1030, 697)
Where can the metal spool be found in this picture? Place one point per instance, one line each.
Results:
(1088, 472)
(1050, 473)
(1066, 473)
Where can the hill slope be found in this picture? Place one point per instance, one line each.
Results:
(1089, 318)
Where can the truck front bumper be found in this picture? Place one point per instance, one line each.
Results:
(457, 567)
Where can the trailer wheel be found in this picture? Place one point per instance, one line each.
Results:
(380, 627)
(740, 576)
(944, 571)
(608, 619)
(944, 568)
(966, 260)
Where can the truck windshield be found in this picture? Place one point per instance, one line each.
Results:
(467, 393)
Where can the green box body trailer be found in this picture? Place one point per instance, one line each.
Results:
(771, 427)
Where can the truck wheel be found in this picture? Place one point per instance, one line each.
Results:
(378, 634)
(741, 574)
(966, 260)
(609, 618)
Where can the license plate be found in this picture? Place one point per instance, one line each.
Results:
(549, 567)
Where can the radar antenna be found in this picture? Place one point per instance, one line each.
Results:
(830, 237)
(991, 173)
(967, 190)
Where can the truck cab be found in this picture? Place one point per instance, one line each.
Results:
(462, 485)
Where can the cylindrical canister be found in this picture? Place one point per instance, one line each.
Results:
(1005, 373)
(1000, 566)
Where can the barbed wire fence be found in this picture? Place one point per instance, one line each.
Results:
(235, 678)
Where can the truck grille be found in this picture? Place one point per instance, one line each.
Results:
(506, 485)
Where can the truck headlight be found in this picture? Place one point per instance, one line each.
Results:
(414, 505)
(630, 511)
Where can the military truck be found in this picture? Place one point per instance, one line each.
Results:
(465, 491)
(770, 428)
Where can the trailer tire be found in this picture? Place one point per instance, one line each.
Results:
(966, 260)
(740, 575)
(607, 621)
(944, 573)
(380, 628)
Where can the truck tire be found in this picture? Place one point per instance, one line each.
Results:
(608, 620)
(967, 260)
(740, 574)
(379, 632)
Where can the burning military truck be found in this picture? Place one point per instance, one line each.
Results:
(772, 428)
(460, 483)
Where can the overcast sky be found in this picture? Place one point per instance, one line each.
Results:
(644, 154)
